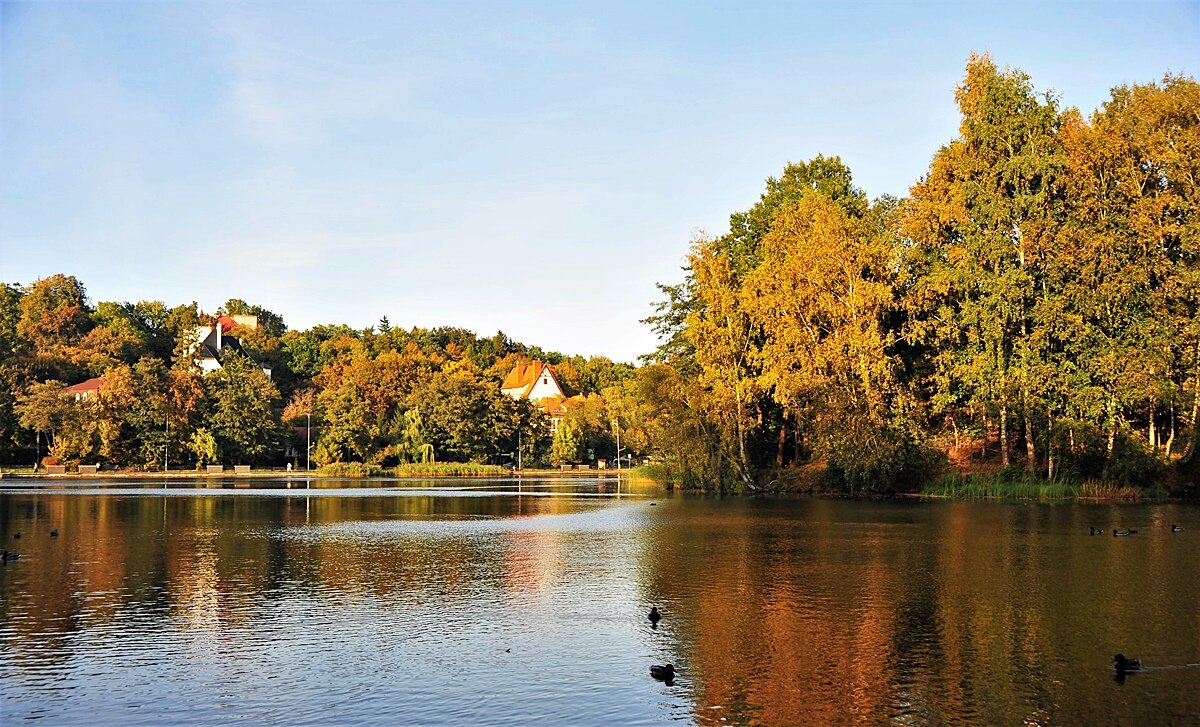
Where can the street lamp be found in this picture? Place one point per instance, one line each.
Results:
(307, 441)
(617, 431)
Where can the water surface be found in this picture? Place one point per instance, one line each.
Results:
(364, 602)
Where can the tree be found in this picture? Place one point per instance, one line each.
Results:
(567, 441)
(43, 409)
(978, 224)
(242, 415)
(54, 311)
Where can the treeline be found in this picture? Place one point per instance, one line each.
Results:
(381, 396)
(1034, 303)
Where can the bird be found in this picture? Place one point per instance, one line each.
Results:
(1177, 528)
(54, 533)
(17, 535)
(1123, 533)
(10, 556)
(1095, 531)
(664, 672)
(1123, 665)
(654, 615)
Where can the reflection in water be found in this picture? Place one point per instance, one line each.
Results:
(503, 605)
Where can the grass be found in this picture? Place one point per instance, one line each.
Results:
(997, 487)
(450, 469)
(352, 469)
(656, 472)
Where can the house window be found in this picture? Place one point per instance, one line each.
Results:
(545, 382)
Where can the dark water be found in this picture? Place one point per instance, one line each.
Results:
(482, 605)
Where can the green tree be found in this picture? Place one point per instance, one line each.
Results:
(567, 442)
(242, 414)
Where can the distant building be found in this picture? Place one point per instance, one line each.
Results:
(213, 343)
(84, 390)
(532, 380)
(537, 382)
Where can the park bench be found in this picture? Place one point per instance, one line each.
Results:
(89, 469)
(216, 469)
(241, 469)
(56, 469)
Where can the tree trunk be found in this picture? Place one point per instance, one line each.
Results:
(1030, 452)
(1050, 448)
(1171, 436)
(1004, 435)
(743, 461)
(1112, 426)
(1153, 433)
(782, 441)
(798, 440)
(983, 447)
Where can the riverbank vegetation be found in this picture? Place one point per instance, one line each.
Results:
(1027, 318)
(427, 401)
(1033, 305)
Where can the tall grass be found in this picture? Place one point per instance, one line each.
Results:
(1023, 487)
(352, 469)
(449, 469)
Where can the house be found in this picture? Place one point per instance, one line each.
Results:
(84, 390)
(213, 342)
(537, 382)
(532, 380)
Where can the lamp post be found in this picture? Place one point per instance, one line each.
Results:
(307, 441)
(617, 431)
(167, 446)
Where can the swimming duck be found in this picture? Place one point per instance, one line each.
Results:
(10, 556)
(1095, 531)
(654, 615)
(54, 533)
(1123, 665)
(1177, 528)
(17, 535)
(664, 672)
(1123, 533)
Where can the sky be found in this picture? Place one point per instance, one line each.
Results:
(530, 168)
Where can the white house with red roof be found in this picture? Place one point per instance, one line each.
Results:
(532, 380)
(213, 342)
(84, 390)
(537, 382)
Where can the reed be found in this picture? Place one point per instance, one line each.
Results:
(449, 469)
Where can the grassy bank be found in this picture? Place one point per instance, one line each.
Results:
(450, 469)
(429, 469)
(974, 487)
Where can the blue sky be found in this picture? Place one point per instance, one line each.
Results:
(527, 168)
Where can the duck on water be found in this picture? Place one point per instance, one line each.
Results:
(1126, 666)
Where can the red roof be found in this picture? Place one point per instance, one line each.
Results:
(226, 323)
(523, 376)
(92, 384)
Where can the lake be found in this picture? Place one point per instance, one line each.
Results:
(489, 602)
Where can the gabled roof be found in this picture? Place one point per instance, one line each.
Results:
(84, 387)
(524, 375)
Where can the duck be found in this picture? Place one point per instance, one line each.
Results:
(654, 615)
(17, 535)
(1095, 531)
(10, 556)
(54, 533)
(665, 672)
(1123, 665)
(1123, 533)
(1177, 528)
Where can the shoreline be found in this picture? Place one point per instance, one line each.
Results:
(298, 475)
